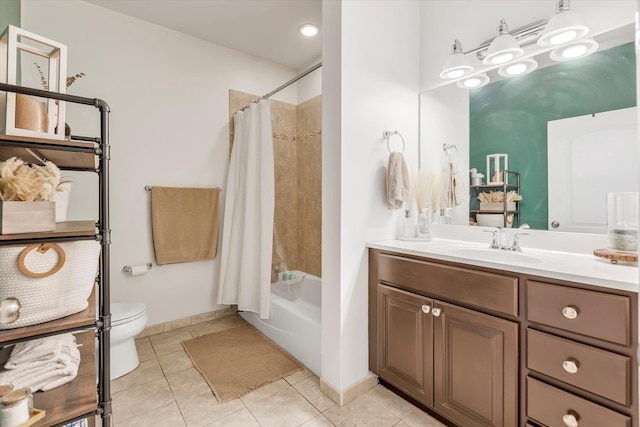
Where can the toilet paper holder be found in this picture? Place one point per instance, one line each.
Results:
(129, 269)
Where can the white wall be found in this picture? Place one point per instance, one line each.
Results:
(370, 84)
(168, 94)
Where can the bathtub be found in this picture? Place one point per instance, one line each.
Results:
(294, 319)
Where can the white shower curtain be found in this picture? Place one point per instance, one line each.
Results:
(247, 234)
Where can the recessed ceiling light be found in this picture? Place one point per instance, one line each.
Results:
(309, 30)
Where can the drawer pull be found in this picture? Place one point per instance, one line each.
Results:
(436, 311)
(426, 308)
(571, 419)
(570, 312)
(570, 365)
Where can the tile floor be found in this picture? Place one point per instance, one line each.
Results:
(167, 391)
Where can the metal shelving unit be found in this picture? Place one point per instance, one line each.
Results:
(80, 398)
(507, 185)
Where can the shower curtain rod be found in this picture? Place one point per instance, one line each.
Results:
(289, 83)
(293, 80)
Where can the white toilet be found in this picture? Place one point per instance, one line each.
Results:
(127, 320)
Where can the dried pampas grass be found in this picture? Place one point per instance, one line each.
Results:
(20, 181)
(425, 189)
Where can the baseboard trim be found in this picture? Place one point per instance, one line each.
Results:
(343, 397)
(182, 322)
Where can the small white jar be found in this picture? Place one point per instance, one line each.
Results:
(15, 407)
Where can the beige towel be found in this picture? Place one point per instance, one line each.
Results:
(454, 190)
(185, 223)
(398, 181)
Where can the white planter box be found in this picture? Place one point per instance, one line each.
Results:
(497, 206)
(27, 217)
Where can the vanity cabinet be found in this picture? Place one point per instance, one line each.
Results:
(487, 347)
(581, 365)
(461, 362)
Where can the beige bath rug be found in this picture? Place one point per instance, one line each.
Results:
(239, 360)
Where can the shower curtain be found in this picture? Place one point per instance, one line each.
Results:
(247, 234)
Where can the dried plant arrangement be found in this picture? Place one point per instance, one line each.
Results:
(45, 84)
(498, 197)
(425, 189)
(21, 181)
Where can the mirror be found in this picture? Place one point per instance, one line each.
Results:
(518, 117)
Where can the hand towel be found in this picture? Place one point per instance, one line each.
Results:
(185, 223)
(56, 363)
(398, 181)
(454, 190)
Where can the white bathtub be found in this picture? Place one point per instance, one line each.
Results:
(295, 325)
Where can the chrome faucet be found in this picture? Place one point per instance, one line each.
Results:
(516, 238)
(500, 239)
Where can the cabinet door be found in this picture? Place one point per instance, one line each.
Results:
(475, 367)
(405, 352)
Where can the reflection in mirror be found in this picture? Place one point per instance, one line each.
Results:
(513, 116)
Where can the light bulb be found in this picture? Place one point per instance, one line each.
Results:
(564, 37)
(309, 30)
(574, 51)
(516, 69)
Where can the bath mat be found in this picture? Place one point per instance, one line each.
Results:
(239, 360)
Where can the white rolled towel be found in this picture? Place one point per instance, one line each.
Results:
(43, 349)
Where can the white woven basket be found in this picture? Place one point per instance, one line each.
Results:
(47, 298)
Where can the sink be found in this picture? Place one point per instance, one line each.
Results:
(495, 255)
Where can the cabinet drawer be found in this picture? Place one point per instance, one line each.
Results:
(464, 286)
(548, 405)
(596, 314)
(598, 371)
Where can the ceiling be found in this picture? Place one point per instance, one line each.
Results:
(264, 28)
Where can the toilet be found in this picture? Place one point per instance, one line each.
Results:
(127, 320)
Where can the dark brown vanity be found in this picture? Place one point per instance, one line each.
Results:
(489, 347)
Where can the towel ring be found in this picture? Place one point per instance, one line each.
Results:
(447, 149)
(388, 134)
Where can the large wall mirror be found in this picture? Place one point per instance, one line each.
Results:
(569, 129)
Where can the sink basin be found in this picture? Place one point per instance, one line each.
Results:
(495, 255)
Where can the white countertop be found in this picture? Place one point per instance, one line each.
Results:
(570, 266)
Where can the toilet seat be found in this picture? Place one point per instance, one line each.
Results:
(123, 312)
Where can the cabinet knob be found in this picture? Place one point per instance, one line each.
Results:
(570, 312)
(426, 308)
(570, 419)
(570, 365)
(436, 311)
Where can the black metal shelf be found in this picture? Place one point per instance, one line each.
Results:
(504, 187)
(88, 154)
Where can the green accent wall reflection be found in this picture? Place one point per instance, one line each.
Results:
(9, 13)
(510, 116)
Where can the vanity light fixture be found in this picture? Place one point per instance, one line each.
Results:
(564, 27)
(309, 30)
(503, 48)
(457, 64)
(518, 68)
(473, 82)
(575, 50)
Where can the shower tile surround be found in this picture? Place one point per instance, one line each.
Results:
(166, 390)
(297, 145)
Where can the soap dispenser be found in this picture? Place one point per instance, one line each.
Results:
(423, 232)
(407, 226)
